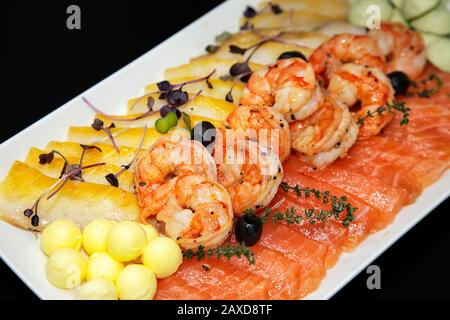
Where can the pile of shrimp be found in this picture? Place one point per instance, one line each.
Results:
(311, 107)
(332, 100)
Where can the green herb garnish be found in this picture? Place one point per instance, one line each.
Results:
(395, 106)
(428, 92)
(291, 216)
(228, 251)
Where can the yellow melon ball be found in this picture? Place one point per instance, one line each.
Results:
(150, 231)
(60, 234)
(102, 265)
(66, 268)
(97, 289)
(126, 240)
(136, 282)
(163, 256)
(95, 234)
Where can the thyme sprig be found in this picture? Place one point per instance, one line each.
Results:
(338, 206)
(395, 106)
(112, 178)
(428, 91)
(227, 251)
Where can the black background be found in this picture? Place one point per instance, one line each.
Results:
(43, 65)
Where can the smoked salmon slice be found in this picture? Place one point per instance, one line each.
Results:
(287, 265)
(385, 199)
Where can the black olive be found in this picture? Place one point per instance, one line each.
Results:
(204, 132)
(248, 229)
(400, 82)
(292, 54)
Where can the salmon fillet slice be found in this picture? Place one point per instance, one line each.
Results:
(393, 164)
(221, 280)
(331, 231)
(176, 288)
(288, 279)
(386, 199)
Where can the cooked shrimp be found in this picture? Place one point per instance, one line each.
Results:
(312, 106)
(323, 130)
(262, 124)
(166, 159)
(250, 172)
(197, 212)
(403, 48)
(325, 158)
(287, 86)
(367, 90)
(345, 48)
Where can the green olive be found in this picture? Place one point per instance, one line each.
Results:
(163, 125)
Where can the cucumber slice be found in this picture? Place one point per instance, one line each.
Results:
(397, 3)
(398, 17)
(360, 15)
(414, 8)
(445, 4)
(429, 38)
(436, 21)
(437, 54)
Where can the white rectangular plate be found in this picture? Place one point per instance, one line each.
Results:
(20, 249)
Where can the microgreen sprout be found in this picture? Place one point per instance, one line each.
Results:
(112, 178)
(100, 125)
(149, 112)
(54, 189)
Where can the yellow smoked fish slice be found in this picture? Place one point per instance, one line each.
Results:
(93, 175)
(202, 67)
(78, 202)
(336, 9)
(289, 20)
(219, 89)
(108, 153)
(267, 53)
(130, 137)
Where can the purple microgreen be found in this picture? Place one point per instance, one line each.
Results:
(59, 184)
(99, 124)
(113, 178)
(86, 148)
(276, 9)
(229, 96)
(250, 12)
(71, 173)
(46, 158)
(177, 97)
(247, 26)
(238, 50)
(164, 86)
(167, 108)
(239, 68)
